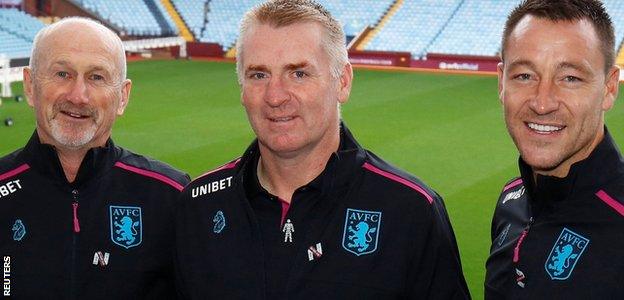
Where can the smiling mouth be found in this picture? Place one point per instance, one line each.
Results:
(74, 114)
(281, 119)
(543, 128)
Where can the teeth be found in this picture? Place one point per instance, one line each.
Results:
(285, 119)
(544, 128)
(75, 115)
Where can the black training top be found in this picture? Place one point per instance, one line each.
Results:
(107, 235)
(361, 230)
(561, 238)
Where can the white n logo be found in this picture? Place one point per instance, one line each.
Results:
(100, 259)
(315, 252)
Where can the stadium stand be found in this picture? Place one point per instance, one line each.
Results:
(133, 17)
(414, 26)
(17, 31)
(355, 15)
(223, 16)
(475, 29)
(616, 11)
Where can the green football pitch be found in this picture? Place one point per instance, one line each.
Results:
(446, 129)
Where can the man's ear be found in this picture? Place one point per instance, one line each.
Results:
(125, 96)
(500, 71)
(612, 85)
(346, 80)
(28, 86)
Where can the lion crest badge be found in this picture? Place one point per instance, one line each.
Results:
(126, 226)
(565, 254)
(361, 231)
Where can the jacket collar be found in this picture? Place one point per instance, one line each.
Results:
(44, 159)
(591, 174)
(338, 172)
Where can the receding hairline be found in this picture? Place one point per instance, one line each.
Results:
(108, 37)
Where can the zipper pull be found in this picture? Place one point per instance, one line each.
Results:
(75, 206)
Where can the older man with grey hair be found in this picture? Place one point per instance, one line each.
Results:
(81, 218)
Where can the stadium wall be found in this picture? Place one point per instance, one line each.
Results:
(457, 62)
(378, 58)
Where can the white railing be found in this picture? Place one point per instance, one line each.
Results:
(138, 45)
(8, 75)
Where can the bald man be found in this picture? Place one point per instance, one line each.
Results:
(80, 217)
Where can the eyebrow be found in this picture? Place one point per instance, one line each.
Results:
(560, 66)
(520, 63)
(90, 67)
(296, 66)
(580, 68)
(260, 68)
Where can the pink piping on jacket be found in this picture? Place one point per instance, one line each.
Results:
(229, 165)
(398, 179)
(14, 172)
(513, 184)
(150, 174)
(611, 202)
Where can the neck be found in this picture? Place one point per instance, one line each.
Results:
(563, 169)
(70, 161)
(281, 176)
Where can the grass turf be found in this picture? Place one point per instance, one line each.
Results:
(446, 129)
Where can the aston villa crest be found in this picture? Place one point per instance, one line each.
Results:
(565, 254)
(126, 226)
(361, 231)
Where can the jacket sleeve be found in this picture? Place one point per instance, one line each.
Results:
(436, 271)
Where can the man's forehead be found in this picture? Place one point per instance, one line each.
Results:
(531, 25)
(286, 45)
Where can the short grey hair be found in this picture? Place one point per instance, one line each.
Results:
(280, 13)
(35, 55)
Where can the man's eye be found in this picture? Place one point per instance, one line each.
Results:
(62, 74)
(300, 74)
(97, 77)
(257, 76)
(523, 76)
(571, 78)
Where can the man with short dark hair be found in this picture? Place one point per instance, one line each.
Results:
(81, 218)
(556, 228)
(307, 213)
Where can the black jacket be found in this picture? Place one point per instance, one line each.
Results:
(107, 235)
(561, 238)
(411, 253)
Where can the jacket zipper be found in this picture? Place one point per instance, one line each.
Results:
(73, 286)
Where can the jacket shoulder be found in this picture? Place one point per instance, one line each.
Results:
(224, 170)
(385, 171)
(613, 194)
(152, 168)
(212, 181)
(11, 165)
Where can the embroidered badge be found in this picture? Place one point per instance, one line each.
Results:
(126, 226)
(361, 231)
(315, 252)
(565, 254)
(514, 195)
(219, 222)
(19, 230)
(288, 229)
(100, 258)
